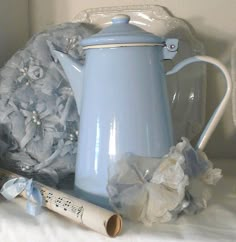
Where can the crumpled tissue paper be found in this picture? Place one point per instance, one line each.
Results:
(152, 190)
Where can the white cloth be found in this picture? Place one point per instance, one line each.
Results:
(216, 223)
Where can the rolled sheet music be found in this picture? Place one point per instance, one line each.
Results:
(84, 213)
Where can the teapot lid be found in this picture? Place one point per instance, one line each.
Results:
(121, 32)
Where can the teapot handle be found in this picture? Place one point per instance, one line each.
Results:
(218, 113)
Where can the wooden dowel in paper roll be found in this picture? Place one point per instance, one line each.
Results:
(84, 213)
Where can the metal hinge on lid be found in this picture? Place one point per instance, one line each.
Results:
(170, 48)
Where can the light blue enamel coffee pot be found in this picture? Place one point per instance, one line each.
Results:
(122, 100)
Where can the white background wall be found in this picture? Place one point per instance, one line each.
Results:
(213, 20)
(14, 27)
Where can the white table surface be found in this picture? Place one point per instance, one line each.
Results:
(216, 223)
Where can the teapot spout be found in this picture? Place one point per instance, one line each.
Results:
(73, 71)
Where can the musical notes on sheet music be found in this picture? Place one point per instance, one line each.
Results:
(62, 203)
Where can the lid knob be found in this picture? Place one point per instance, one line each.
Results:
(121, 19)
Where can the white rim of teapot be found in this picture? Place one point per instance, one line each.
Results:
(122, 45)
